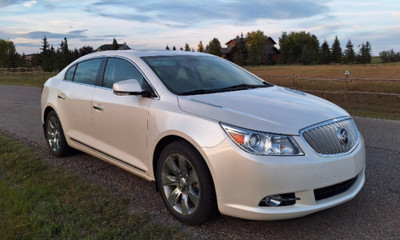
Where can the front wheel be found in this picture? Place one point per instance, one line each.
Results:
(185, 184)
(55, 135)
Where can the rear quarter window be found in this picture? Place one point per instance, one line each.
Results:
(69, 76)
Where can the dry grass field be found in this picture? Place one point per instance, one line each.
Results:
(371, 90)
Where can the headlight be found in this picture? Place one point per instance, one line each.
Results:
(263, 143)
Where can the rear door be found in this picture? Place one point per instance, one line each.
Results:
(75, 100)
(120, 122)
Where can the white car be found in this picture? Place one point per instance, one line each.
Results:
(212, 136)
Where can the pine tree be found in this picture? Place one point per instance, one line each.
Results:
(167, 48)
(45, 55)
(336, 53)
(241, 52)
(200, 47)
(187, 48)
(348, 54)
(174, 48)
(214, 47)
(325, 53)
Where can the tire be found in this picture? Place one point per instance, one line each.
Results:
(185, 184)
(54, 134)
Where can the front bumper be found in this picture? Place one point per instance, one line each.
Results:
(242, 180)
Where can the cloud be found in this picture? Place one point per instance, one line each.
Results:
(50, 35)
(188, 13)
(29, 4)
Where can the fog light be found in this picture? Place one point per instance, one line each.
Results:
(279, 200)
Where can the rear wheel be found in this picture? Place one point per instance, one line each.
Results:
(185, 184)
(55, 135)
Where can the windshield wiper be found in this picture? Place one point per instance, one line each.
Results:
(199, 91)
(241, 87)
(225, 89)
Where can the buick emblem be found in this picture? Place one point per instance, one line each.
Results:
(343, 136)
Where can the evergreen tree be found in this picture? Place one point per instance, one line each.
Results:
(115, 44)
(45, 56)
(240, 54)
(200, 47)
(325, 53)
(167, 48)
(174, 48)
(214, 47)
(348, 54)
(181, 48)
(85, 50)
(365, 53)
(187, 48)
(336, 53)
(64, 55)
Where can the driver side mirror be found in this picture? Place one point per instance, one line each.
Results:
(130, 87)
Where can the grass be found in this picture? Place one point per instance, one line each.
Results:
(32, 79)
(38, 201)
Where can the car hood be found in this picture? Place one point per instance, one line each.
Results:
(271, 109)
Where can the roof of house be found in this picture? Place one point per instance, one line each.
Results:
(107, 47)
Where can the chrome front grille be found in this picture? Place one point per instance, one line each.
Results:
(337, 136)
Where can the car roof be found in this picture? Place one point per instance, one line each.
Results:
(136, 53)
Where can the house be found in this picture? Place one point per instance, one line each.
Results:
(271, 54)
(107, 47)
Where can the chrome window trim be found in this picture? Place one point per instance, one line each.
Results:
(334, 120)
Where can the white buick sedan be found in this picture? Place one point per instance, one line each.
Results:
(210, 135)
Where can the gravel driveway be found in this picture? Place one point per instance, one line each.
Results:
(373, 214)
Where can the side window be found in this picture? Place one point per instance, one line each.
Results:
(118, 70)
(70, 73)
(86, 71)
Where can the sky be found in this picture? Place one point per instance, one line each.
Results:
(153, 24)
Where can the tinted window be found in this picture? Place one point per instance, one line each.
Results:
(119, 70)
(70, 73)
(86, 72)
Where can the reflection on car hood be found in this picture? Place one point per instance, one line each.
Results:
(274, 109)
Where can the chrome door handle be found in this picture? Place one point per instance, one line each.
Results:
(61, 97)
(97, 107)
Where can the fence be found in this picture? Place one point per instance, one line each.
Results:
(346, 81)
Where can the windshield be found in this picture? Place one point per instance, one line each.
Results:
(188, 74)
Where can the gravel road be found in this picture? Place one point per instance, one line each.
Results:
(373, 214)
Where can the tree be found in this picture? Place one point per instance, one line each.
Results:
(85, 50)
(64, 55)
(336, 52)
(115, 44)
(214, 47)
(240, 51)
(293, 45)
(364, 55)
(200, 47)
(348, 55)
(167, 48)
(6, 47)
(325, 53)
(389, 56)
(256, 41)
(45, 56)
(174, 48)
(187, 48)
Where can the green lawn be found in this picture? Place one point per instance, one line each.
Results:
(38, 201)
